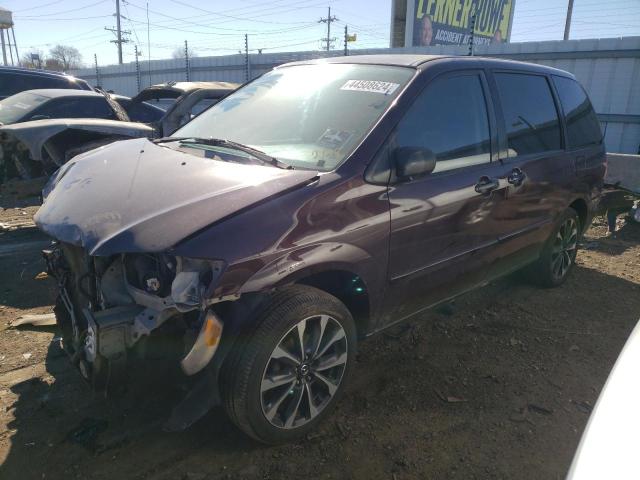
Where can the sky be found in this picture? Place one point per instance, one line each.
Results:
(217, 27)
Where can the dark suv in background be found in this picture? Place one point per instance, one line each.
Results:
(318, 204)
(15, 80)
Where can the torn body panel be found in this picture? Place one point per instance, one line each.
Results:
(35, 134)
(36, 149)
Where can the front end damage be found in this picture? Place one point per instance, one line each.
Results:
(117, 311)
(128, 303)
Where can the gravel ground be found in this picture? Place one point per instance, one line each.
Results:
(499, 384)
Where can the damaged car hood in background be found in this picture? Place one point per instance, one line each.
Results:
(36, 133)
(136, 196)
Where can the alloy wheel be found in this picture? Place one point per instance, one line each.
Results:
(304, 372)
(563, 251)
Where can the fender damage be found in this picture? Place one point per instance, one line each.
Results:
(115, 215)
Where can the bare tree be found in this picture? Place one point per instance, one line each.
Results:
(179, 53)
(53, 64)
(67, 57)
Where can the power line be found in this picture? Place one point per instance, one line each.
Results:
(38, 6)
(231, 17)
(167, 27)
(276, 10)
(201, 16)
(135, 34)
(46, 19)
(68, 11)
(306, 24)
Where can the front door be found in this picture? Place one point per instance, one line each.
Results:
(442, 223)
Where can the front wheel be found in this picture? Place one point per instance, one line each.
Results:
(288, 371)
(558, 256)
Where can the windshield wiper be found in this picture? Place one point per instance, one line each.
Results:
(218, 142)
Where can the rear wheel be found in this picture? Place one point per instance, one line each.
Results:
(286, 374)
(559, 254)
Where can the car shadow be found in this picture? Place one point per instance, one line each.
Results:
(10, 197)
(617, 243)
(61, 426)
(61, 429)
(25, 285)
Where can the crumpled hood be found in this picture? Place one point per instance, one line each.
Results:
(136, 196)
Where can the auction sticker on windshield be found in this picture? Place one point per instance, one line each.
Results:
(374, 86)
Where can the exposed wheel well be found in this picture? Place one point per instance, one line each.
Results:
(349, 289)
(580, 206)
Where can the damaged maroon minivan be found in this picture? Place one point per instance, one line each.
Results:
(320, 203)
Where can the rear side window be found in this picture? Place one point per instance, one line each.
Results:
(12, 83)
(449, 118)
(530, 114)
(69, 107)
(583, 127)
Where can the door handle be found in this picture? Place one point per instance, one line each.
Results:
(516, 177)
(486, 184)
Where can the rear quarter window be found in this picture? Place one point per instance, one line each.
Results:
(583, 127)
(530, 115)
(70, 107)
(141, 111)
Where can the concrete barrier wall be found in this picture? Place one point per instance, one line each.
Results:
(608, 68)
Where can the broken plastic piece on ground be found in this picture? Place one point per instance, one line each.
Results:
(532, 407)
(87, 432)
(39, 320)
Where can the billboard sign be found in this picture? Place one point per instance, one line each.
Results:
(448, 22)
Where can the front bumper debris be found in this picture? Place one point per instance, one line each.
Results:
(112, 310)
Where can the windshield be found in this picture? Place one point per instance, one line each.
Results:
(308, 116)
(19, 105)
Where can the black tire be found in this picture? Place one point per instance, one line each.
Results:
(245, 372)
(561, 247)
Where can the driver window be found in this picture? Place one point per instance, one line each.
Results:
(450, 119)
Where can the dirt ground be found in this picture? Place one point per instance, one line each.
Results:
(499, 384)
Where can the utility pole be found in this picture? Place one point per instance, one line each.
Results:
(95, 60)
(247, 71)
(328, 21)
(148, 44)
(137, 67)
(118, 31)
(567, 25)
(186, 59)
(346, 39)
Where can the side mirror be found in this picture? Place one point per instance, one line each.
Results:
(413, 161)
(39, 117)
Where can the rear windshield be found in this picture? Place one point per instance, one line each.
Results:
(19, 106)
(308, 116)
